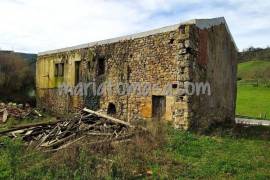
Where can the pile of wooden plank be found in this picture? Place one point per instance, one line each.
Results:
(58, 135)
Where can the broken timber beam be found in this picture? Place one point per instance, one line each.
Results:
(107, 117)
(29, 126)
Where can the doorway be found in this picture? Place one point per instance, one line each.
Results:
(158, 107)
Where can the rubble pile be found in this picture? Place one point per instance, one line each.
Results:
(58, 135)
(19, 111)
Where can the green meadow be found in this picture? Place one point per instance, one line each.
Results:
(253, 101)
(168, 154)
(253, 93)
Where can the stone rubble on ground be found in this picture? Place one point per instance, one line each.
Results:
(17, 111)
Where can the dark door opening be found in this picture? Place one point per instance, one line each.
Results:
(111, 109)
(77, 72)
(158, 107)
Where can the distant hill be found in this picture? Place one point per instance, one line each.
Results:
(27, 56)
(254, 70)
(252, 53)
(30, 58)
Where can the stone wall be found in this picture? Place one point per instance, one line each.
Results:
(216, 63)
(179, 56)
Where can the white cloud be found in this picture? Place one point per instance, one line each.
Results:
(38, 25)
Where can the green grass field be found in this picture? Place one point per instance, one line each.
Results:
(170, 154)
(253, 101)
(253, 95)
(254, 70)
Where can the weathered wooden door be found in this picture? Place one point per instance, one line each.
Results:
(158, 107)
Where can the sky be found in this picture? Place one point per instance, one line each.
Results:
(39, 25)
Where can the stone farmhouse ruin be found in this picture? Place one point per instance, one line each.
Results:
(200, 50)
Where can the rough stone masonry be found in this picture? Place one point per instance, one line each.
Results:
(200, 50)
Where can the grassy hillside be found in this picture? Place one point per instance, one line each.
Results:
(252, 70)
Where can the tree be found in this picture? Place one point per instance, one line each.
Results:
(16, 76)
